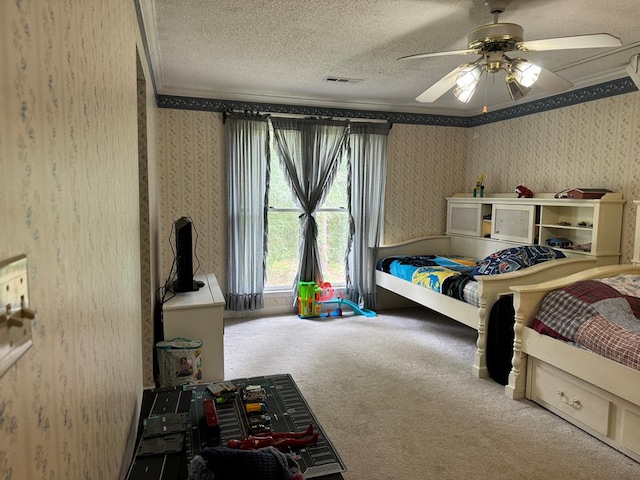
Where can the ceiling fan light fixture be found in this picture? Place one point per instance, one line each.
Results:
(464, 94)
(492, 42)
(515, 88)
(469, 76)
(525, 73)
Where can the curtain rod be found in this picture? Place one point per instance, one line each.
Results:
(351, 119)
(300, 115)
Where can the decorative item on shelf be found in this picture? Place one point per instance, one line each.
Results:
(585, 247)
(559, 242)
(478, 190)
(523, 192)
(587, 193)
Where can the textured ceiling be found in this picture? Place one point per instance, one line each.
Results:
(281, 51)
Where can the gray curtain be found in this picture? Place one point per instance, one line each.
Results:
(310, 151)
(247, 139)
(367, 174)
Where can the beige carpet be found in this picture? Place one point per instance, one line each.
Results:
(397, 398)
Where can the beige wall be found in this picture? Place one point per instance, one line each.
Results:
(193, 180)
(69, 200)
(425, 164)
(594, 144)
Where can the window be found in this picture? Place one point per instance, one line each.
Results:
(284, 230)
(247, 157)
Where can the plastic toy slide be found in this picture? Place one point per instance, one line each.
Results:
(311, 297)
(356, 309)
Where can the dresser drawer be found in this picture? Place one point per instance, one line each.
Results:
(631, 430)
(551, 388)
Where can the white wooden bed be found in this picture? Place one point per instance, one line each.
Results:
(598, 395)
(490, 288)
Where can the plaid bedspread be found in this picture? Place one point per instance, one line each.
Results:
(600, 315)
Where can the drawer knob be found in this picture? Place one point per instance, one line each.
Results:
(572, 403)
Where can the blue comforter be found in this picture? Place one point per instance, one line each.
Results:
(435, 272)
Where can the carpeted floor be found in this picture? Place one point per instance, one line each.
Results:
(397, 397)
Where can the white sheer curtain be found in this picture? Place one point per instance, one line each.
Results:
(367, 175)
(310, 151)
(247, 141)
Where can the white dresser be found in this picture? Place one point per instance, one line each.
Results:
(199, 315)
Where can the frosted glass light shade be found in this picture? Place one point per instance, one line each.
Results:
(526, 73)
(467, 81)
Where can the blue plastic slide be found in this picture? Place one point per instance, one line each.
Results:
(356, 309)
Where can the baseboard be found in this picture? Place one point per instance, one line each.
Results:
(263, 312)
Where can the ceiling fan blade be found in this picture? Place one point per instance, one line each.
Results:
(439, 54)
(552, 83)
(439, 88)
(596, 40)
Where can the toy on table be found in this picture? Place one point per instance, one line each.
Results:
(478, 190)
(222, 392)
(311, 297)
(275, 439)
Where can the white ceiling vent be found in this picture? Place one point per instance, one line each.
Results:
(343, 80)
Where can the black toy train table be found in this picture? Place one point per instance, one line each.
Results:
(163, 452)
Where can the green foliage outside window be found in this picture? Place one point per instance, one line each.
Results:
(284, 230)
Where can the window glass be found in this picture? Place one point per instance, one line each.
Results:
(280, 195)
(284, 230)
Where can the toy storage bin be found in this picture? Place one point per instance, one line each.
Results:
(179, 361)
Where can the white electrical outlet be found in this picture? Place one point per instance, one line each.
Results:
(15, 314)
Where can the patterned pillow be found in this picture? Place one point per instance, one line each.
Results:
(516, 258)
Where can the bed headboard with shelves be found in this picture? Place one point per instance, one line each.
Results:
(578, 227)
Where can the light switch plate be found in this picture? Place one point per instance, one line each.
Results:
(15, 314)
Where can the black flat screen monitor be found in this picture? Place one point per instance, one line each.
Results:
(184, 257)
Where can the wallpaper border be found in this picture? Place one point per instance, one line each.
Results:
(582, 95)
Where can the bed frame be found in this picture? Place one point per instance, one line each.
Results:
(596, 394)
(490, 288)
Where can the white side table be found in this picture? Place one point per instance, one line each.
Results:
(199, 315)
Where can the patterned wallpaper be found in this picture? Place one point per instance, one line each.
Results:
(594, 144)
(425, 164)
(69, 200)
(192, 178)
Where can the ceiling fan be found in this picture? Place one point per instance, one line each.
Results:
(491, 42)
